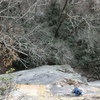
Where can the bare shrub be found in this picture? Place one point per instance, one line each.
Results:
(24, 31)
(6, 85)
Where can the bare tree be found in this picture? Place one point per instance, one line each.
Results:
(23, 28)
(18, 22)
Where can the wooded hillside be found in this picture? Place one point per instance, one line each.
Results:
(50, 32)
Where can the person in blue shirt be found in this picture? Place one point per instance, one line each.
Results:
(77, 91)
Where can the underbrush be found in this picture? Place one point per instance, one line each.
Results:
(61, 34)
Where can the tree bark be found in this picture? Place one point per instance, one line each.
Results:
(60, 20)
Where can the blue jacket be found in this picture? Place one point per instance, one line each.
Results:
(77, 91)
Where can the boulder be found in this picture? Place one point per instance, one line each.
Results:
(52, 83)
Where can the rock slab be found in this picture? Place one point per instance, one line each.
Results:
(52, 83)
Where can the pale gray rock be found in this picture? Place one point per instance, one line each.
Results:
(95, 83)
(60, 80)
(45, 75)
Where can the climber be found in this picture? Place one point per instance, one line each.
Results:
(77, 91)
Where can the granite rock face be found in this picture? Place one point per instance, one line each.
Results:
(45, 75)
(52, 83)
